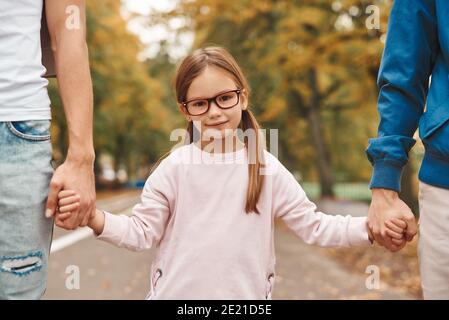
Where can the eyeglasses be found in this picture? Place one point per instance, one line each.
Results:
(225, 100)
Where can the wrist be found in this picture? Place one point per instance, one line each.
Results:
(384, 194)
(96, 222)
(93, 218)
(86, 156)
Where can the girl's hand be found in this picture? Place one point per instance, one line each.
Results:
(396, 229)
(68, 204)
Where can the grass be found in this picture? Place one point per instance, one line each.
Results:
(357, 191)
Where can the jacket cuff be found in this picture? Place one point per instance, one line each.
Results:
(386, 175)
(113, 229)
(358, 232)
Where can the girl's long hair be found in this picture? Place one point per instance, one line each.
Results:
(190, 68)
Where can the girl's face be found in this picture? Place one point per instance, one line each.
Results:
(216, 123)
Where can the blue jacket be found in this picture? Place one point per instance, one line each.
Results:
(417, 49)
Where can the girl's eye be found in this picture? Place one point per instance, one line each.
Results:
(198, 104)
(225, 97)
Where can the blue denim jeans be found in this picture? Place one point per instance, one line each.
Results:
(25, 233)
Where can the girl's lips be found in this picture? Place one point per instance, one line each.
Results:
(216, 124)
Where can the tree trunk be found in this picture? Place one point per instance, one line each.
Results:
(322, 152)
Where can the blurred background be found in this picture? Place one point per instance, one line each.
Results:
(312, 66)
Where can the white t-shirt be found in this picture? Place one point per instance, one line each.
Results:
(23, 90)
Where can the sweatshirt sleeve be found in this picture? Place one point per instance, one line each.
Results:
(146, 225)
(301, 216)
(408, 59)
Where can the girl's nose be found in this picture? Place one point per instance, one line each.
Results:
(214, 110)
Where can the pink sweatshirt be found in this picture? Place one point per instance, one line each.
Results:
(192, 210)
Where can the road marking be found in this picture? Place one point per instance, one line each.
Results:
(71, 238)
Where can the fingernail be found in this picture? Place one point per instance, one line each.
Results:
(48, 213)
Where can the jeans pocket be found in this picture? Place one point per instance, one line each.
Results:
(31, 130)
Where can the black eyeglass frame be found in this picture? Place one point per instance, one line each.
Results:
(214, 99)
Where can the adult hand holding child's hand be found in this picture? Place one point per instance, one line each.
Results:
(388, 216)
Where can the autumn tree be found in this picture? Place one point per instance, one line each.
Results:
(131, 122)
(312, 66)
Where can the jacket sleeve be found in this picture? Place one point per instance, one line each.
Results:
(409, 56)
(146, 225)
(291, 204)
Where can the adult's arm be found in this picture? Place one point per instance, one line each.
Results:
(67, 26)
(409, 56)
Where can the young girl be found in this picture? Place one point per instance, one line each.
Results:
(209, 208)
